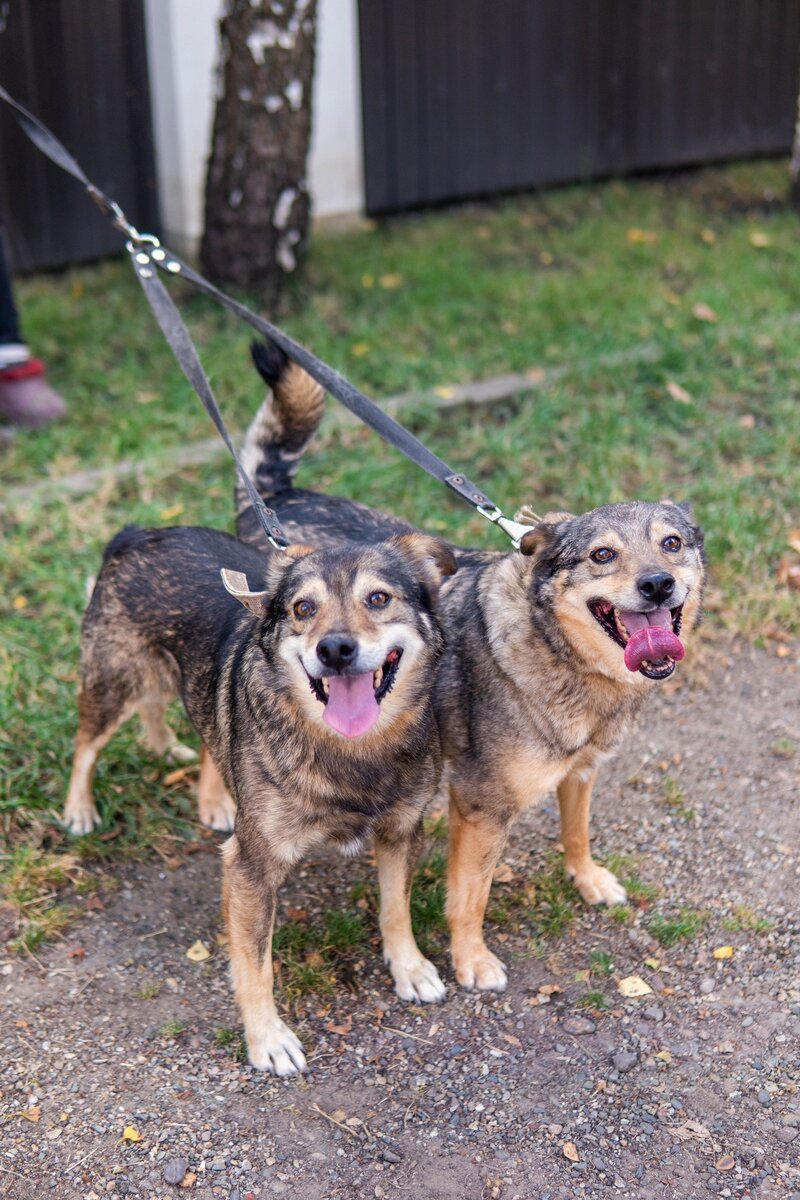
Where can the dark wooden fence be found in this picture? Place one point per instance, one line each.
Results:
(81, 66)
(469, 98)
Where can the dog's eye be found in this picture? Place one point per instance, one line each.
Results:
(604, 554)
(378, 599)
(672, 544)
(303, 609)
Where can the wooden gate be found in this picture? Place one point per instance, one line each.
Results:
(474, 97)
(81, 66)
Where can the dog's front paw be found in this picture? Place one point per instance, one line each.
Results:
(418, 982)
(277, 1050)
(80, 819)
(597, 885)
(480, 970)
(219, 813)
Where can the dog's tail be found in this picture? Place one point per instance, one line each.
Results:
(283, 426)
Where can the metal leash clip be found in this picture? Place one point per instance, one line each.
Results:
(514, 529)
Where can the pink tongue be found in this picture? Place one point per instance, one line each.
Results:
(352, 708)
(651, 638)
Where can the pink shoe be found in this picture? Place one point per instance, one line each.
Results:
(25, 399)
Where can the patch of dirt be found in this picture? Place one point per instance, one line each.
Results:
(689, 1091)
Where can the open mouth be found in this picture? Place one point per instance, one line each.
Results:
(352, 701)
(650, 639)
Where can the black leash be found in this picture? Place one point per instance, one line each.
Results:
(149, 256)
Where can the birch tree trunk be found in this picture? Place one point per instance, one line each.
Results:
(257, 203)
(794, 165)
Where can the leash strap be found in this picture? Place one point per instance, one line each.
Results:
(146, 253)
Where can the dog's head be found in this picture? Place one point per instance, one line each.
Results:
(353, 628)
(621, 583)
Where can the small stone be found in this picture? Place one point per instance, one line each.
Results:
(578, 1025)
(787, 1134)
(175, 1170)
(707, 986)
(764, 1098)
(654, 1013)
(624, 1060)
(390, 1157)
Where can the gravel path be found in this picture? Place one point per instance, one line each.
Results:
(689, 1091)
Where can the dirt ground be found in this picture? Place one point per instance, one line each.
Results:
(689, 1091)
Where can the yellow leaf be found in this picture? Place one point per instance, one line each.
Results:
(32, 1114)
(759, 239)
(390, 281)
(445, 392)
(642, 236)
(708, 236)
(359, 349)
(188, 1179)
(546, 258)
(633, 986)
(20, 602)
(570, 1151)
(503, 873)
(536, 374)
(652, 963)
(368, 281)
(671, 297)
(549, 989)
(167, 514)
(678, 393)
(723, 952)
(129, 1134)
(664, 1056)
(198, 952)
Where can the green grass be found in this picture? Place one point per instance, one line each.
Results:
(746, 920)
(231, 1040)
(533, 282)
(309, 954)
(595, 1001)
(683, 927)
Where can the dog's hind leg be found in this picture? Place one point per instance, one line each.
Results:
(101, 711)
(596, 884)
(415, 978)
(476, 843)
(158, 737)
(216, 806)
(249, 897)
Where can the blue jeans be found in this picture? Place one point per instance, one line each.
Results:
(9, 319)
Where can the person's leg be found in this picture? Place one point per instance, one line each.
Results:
(25, 397)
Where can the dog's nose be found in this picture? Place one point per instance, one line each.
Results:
(657, 588)
(336, 650)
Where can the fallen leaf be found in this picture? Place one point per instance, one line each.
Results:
(746, 421)
(678, 393)
(725, 1048)
(339, 1115)
(708, 236)
(177, 775)
(359, 349)
(188, 1180)
(391, 280)
(297, 914)
(343, 1030)
(793, 539)
(95, 904)
(221, 939)
(445, 392)
(582, 976)
(20, 602)
(570, 1151)
(633, 986)
(198, 952)
(723, 952)
(536, 374)
(512, 1041)
(759, 239)
(652, 963)
(691, 1130)
(32, 1114)
(671, 297)
(664, 1056)
(129, 1134)
(642, 236)
(167, 514)
(727, 1162)
(704, 313)
(368, 281)
(503, 873)
(77, 952)
(549, 989)
(546, 258)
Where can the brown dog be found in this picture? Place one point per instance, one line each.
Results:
(315, 704)
(551, 652)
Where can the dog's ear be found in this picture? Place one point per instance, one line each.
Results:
(542, 535)
(430, 557)
(235, 582)
(683, 505)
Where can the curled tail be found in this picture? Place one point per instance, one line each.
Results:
(282, 427)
